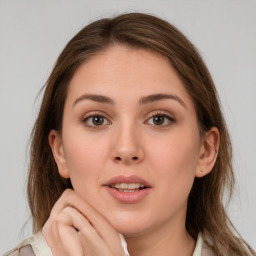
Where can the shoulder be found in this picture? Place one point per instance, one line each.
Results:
(207, 251)
(23, 249)
(33, 246)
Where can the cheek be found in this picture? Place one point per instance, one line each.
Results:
(178, 153)
(175, 161)
(85, 158)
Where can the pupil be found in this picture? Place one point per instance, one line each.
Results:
(158, 120)
(97, 120)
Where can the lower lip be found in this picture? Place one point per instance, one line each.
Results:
(128, 197)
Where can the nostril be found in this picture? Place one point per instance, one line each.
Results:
(118, 158)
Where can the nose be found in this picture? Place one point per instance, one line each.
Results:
(127, 146)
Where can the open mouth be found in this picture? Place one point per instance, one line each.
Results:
(128, 187)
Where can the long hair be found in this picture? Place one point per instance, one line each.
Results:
(205, 212)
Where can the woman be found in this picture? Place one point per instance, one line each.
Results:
(130, 143)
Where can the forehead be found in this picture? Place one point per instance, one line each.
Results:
(122, 71)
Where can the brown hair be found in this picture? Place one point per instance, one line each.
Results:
(205, 212)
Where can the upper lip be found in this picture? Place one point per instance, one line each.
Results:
(127, 179)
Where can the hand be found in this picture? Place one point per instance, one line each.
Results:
(75, 228)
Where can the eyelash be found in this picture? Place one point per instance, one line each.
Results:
(99, 114)
(162, 114)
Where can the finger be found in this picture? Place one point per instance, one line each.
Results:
(99, 222)
(71, 223)
(69, 240)
(60, 232)
(73, 218)
(62, 239)
(105, 230)
(65, 228)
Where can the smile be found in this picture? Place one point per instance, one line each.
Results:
(128, 190)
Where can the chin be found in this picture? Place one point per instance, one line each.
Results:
(129, 223)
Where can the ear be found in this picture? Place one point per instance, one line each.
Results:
(56, 145)
(208, 152)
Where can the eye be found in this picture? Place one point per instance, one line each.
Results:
(160, 119)
(95, 120)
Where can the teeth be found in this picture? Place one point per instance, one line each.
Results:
(116, 185)
(127, 187)
(127, 190)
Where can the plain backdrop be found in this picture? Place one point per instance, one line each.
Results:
(33, 33)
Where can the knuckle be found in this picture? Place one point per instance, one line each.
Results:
(52, 214)
(63, 217)
(68, 192)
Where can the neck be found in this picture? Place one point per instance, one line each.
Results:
(164, 241)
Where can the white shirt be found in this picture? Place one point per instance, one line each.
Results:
(37, 246)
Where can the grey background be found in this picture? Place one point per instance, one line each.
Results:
(32, 34)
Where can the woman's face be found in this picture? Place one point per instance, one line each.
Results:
(130, 140)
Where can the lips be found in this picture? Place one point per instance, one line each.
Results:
(128, 180)
(130, 189)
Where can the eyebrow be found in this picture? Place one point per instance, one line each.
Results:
(143, 100)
